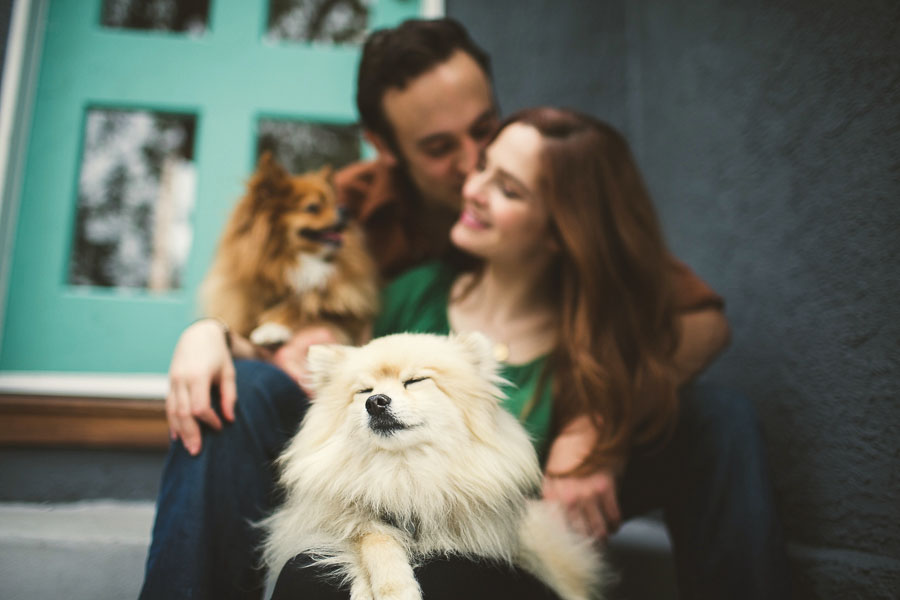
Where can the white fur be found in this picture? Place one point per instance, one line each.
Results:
(311, 273)
(457, 480)
(270, 333)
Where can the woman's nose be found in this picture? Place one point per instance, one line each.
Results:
(472, 188)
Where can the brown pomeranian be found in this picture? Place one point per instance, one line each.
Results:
(289, 259)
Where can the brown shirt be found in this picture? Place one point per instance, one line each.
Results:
(386, 205)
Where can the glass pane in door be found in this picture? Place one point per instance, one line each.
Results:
(302, 146)
(329, 21)
(135, 200)
(187, 16)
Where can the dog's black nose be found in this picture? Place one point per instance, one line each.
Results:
(377, 403)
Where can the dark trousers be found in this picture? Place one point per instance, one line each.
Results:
(710, 480)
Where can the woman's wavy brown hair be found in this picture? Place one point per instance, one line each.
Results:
(617, 313)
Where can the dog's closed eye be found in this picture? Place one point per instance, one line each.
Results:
(364, 391)
(409, 382)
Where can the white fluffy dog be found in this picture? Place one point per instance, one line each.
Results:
(406, 453)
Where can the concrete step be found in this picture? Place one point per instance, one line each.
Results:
(95, 550)
(91, 550)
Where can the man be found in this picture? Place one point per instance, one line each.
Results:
(427, 106)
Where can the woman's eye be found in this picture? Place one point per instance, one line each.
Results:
(409, 382)
(365, 391)
(509, 191)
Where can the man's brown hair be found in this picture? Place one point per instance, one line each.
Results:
(392, 58)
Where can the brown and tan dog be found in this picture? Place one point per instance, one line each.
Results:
(288, 259)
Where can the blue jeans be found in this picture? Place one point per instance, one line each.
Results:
(204, 544)
(710, 480)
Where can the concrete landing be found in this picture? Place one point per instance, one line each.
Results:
(84, 550)
(95, 550)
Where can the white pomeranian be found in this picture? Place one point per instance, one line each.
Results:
(406, 453)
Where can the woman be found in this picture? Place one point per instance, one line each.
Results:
(564, 266)
(571, 278)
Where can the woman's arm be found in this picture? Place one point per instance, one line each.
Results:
(589, 501)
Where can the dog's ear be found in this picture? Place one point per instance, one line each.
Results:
(270, 180)
(326, 172)
(269, 165)
(479, 349)
(323, 362)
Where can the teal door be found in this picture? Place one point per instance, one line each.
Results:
(139, 145)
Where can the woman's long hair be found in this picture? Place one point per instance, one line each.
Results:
(617, 328)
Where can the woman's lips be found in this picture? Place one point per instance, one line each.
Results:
(469, 219)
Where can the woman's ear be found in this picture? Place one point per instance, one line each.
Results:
(386, 154)
(554, 243)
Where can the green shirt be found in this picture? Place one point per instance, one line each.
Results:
(417, 302)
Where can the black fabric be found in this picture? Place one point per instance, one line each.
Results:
(439, 578)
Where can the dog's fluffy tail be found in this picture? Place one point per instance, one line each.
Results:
(566, 561)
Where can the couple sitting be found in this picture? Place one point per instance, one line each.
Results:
(557, 254)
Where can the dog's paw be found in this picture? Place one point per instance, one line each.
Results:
(360, 590)
(269, 334)
(404, 592)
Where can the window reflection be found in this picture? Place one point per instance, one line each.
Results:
(188, 16)
(330, 21)
(135, 199)
(302, 146)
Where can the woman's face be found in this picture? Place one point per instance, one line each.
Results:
(503, 216)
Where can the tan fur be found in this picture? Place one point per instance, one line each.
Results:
(455, 477)
(249, 283)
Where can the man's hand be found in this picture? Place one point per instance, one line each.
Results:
(589, 501)
(201, 360)
(291, 357)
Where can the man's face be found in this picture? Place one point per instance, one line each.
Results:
(441, 122)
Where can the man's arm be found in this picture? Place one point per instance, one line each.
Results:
(704, 334)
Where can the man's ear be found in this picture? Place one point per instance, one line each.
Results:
(322, 364)
(386, 154)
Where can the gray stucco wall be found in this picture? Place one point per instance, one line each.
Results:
(769, 135)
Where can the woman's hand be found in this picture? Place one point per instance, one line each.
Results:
(201, 360)
(589, 501)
